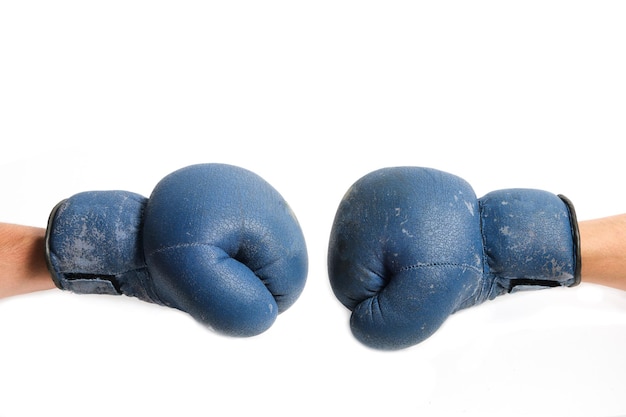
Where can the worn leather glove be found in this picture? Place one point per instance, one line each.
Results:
(213, 240)
(410, 246)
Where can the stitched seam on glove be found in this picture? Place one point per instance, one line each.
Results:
(441, 264)
(210, 245)
(184, 245)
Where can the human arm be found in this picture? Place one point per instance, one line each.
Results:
(603, 251)
(22, 260)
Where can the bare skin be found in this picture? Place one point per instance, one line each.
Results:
(603, 251)
(23, 264)
(22, 260)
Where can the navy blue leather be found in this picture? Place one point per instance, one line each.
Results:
(213, 240)
(410, 246)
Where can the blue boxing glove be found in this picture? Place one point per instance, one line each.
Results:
(410, 246)
(213, 240)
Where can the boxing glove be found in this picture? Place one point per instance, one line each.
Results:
(213, 240)
(410, 246)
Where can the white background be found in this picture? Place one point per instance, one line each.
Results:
(311, 96)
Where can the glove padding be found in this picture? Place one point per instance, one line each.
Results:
(410, 246)
(213, 240)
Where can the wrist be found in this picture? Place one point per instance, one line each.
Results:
(22, 260)
(603, 251)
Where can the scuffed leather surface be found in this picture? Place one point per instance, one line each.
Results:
(223, 245)
(213, 240)
(410, 246)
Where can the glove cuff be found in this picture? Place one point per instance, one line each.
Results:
(93, 245)
(77, 283)
(531, 240)
(575, 239)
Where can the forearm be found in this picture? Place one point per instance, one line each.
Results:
(603, 251)
(22, 260)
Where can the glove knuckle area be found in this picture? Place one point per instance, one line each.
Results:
(214, 288)
(249, 250)
(414, 304)
(284, 278)
(400, 240)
